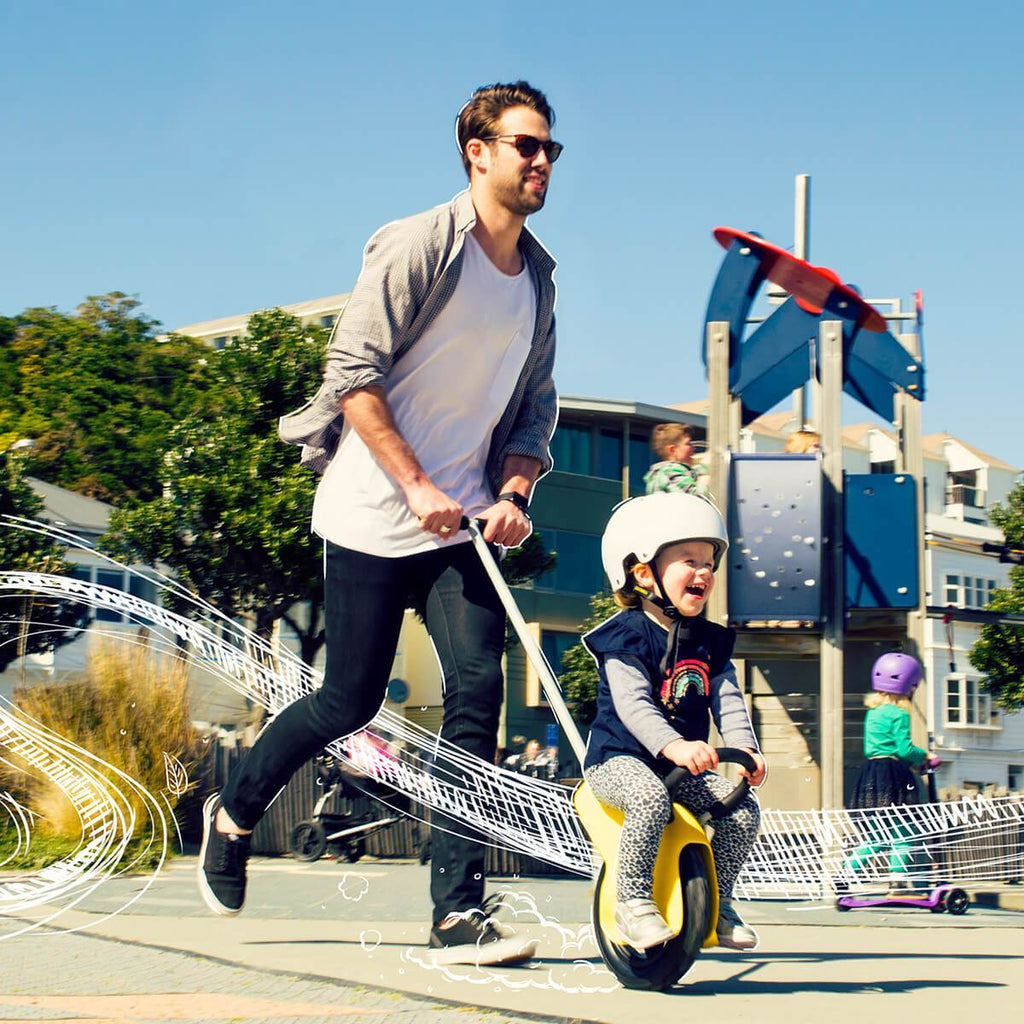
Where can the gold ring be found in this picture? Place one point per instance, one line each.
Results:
(446, 529)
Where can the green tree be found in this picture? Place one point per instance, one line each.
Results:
(528, 561)
(579, 676)
(98, 392)
(29, 623)
(232, 521)
(999, 652)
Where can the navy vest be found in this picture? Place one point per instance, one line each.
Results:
(702, 651)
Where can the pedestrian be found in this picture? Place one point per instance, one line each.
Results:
(437, 403)
(676, 469)
(885, 778)
(664, 672)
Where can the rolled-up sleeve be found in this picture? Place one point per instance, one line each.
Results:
(534, 424)
(399, 262)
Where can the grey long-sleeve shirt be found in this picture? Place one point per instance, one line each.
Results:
(641, 713)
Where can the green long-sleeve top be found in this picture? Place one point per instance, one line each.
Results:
(887, 734)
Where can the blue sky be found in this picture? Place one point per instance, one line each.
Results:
(219, 157)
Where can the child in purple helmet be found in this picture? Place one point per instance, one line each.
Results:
(885, 777)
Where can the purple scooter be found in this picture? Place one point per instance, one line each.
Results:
(942, 897)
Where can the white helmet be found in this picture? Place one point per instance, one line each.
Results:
(640, 527)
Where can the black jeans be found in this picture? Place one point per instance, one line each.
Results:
(364, 600)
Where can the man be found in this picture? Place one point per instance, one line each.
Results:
(437, 403)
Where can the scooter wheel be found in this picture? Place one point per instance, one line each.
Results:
(308, 841)
(957, 902)
(662, 966)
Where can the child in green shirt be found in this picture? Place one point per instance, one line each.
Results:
(673, 445)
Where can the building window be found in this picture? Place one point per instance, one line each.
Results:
(609, 454)
(1015, 776)
(967, 704)
(579, 569)
(962, 489)
(640, 459)
(327, 321)
(884, 467)
(963, 591)
(554, 643)
(220, 342)
(116, 579)
(570, 449)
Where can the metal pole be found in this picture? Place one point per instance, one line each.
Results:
(547, 678)
(833, 636)
(720, 426)
(801, 249)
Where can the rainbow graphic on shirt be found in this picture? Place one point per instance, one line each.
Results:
(689, 676)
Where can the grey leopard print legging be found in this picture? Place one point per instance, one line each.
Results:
(627, 783)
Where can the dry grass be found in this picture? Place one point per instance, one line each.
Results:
(128, 708)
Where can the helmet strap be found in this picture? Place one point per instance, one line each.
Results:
(656, 597)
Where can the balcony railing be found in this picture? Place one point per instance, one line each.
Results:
(962, 494)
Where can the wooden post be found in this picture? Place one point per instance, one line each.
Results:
(830, 350)
(910, 460)
(720, 421)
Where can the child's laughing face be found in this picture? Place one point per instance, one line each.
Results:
(687, 572)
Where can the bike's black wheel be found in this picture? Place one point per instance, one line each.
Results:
(662, 966)
(957, 902)
(308, 841)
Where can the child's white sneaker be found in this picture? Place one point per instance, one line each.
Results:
(640, 923)
(733, 932)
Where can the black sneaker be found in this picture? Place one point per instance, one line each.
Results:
(222, 860)
(473, 937)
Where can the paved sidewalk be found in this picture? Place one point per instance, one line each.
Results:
(49, 976)
(330, 942)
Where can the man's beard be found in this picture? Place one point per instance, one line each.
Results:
(517, 199)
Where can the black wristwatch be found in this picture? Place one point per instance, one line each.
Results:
(518, 500)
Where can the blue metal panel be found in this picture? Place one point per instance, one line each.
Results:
(774, 559)
(870, 388)
(881, 541)
(739, 278)
(884, 354)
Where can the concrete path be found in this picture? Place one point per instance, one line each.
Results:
(327, 942)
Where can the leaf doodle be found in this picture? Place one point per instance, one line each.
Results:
(177, 776)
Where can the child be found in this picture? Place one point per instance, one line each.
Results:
(801, 441)
(675, 472)
(885, 777)
(664, 671)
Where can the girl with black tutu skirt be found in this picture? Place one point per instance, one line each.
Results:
(885, 777)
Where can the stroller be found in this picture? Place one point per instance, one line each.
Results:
(345, 833)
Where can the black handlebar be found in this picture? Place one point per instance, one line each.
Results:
(726, 755)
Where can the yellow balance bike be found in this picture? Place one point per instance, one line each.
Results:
(685, 885)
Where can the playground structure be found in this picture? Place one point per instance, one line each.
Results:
(807, 550)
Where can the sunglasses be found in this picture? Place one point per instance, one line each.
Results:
(527, 145)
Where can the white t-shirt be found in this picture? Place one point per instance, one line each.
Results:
(446, 394)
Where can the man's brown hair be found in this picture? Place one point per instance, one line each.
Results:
(665, 434)
(478, 119)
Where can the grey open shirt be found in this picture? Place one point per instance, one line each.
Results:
(410, 270)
